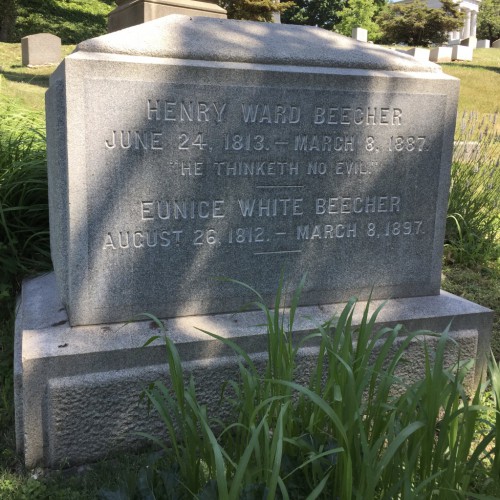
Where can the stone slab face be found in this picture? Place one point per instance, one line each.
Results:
(462, 53)
(496, 44)
(130, 13)
(360, 34)
(440, 54)
(469, 42)
(177, 157)
(40, 49)
(483, 44)
(77, 388)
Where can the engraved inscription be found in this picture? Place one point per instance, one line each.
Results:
(268, 174)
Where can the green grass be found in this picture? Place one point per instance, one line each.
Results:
(479, 82)
(25, 86)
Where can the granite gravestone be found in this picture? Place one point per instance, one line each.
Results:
(186, 149)
(483, 44)
(199, 171)
(40, 49)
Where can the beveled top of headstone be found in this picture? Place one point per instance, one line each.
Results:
(202, 38)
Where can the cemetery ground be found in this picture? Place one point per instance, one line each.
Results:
(471, 269)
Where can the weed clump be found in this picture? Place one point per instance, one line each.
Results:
(473, 224)
(354, 429)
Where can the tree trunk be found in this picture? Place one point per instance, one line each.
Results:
(8, 10)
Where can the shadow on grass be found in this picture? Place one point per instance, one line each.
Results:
(39, 80)
(495, 69)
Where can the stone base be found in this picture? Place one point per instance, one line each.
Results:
(77, 388)
(130, 13)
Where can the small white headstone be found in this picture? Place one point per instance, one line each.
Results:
(40, 49)
(419, 53)
(360, 34)
(469, 42)
(483, 44)
(440, 54)
(461, 53)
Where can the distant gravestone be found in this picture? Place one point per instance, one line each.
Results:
(483, 44)
(360, 34)
(419, 53)
(132, 12)
(40, 49)
(440, 54)
(461, 53)
(496, 44)
(469, 42)
(188, 149)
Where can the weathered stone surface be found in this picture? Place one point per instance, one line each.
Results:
(40, 49)
(132, 12)
(462, 53)
(77, 388)
(440, 54)
(496, 44)
(360, 34)
(325, 156)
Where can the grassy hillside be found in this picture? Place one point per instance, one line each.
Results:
(479, 81)
(71, 20)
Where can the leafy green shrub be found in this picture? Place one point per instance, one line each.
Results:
(24, 226)
(473, 225)
(355, 430)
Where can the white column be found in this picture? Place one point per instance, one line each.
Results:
(473, 23)
(466, 30)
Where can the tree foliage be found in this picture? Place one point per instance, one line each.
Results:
(253, 10)
(488, 20)
(71, 20)
(322, 13)
(359, 13)
(418, 25)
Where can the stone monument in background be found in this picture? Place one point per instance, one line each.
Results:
(40, 49)
(131, 12)
(188, 149)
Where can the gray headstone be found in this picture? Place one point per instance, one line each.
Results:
(185, 150)
(40, 49)
(496, 44)
(440, 54)
(483, 44)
